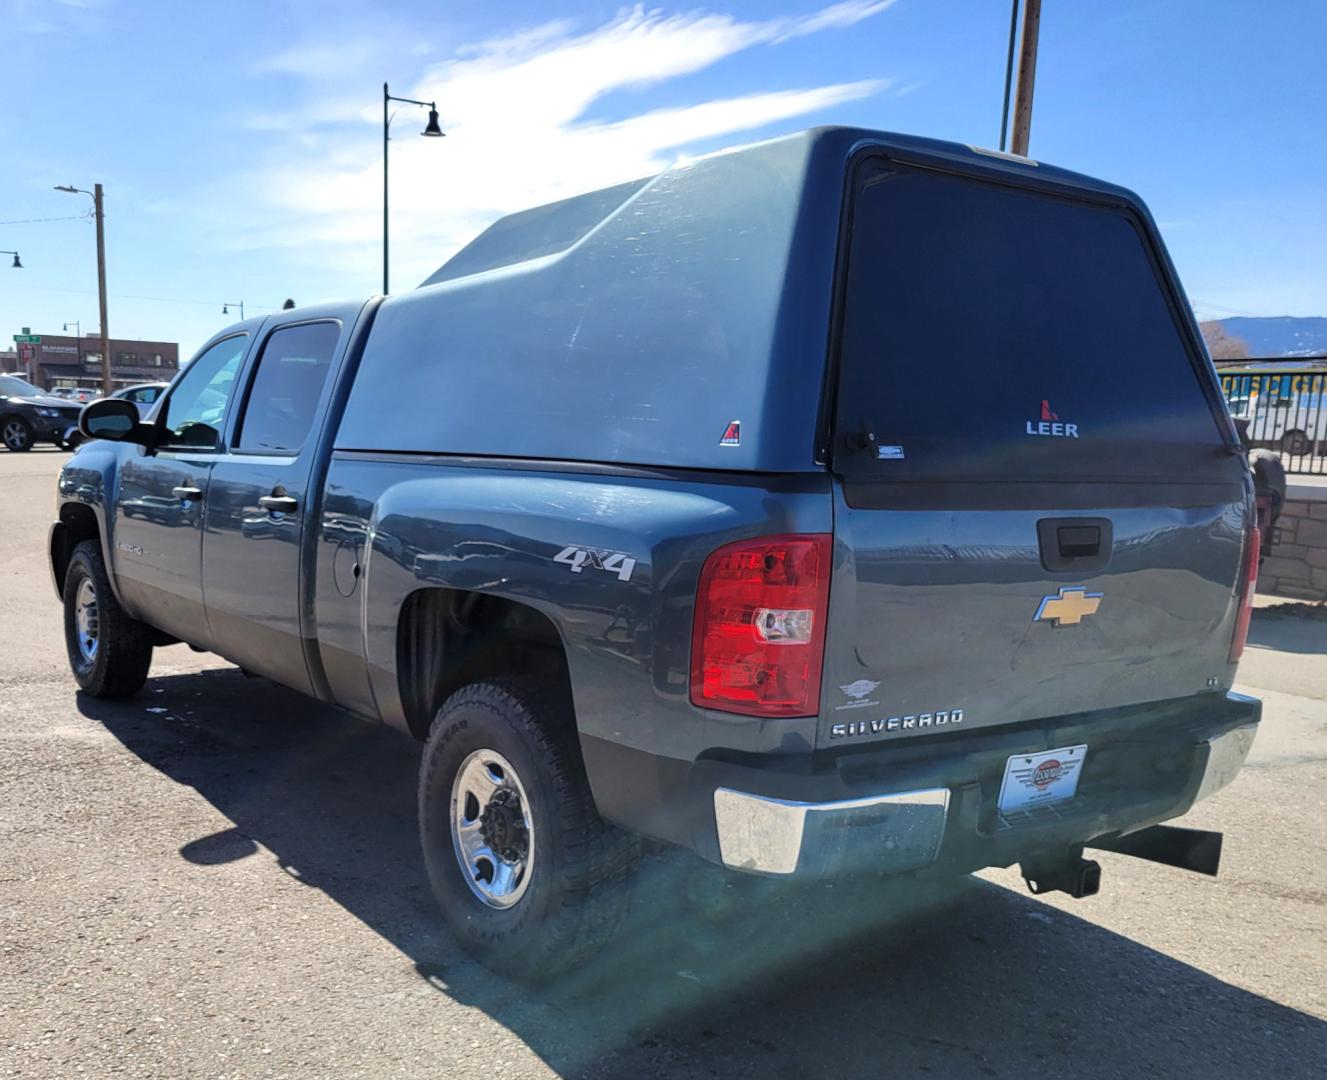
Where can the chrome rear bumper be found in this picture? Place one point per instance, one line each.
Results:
(767, 835)
(901, 830)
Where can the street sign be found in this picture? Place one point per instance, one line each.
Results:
(27, 339)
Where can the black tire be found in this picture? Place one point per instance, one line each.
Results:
(1269, 478)
(119, 663)
(16, 433)
(1295, 443)
(576, 895)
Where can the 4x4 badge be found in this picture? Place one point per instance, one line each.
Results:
(1073, 604)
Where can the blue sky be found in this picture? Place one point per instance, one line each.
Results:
(240, 143)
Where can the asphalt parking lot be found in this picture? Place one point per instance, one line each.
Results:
(221, 879)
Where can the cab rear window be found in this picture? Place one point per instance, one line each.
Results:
(995, 332)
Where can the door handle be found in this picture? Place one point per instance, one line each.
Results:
(278, 504)
(187, 493)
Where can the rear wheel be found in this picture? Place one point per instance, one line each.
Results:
(109, 652)
(17, 433)
(529, 877)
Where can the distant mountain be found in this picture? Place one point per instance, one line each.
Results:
(1282, 335)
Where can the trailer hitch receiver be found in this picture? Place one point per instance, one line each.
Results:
(1071, 874)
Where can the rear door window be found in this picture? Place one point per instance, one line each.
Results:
(991, 332)
(283, 400)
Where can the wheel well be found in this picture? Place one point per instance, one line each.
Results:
(80, 524)
(448, 638)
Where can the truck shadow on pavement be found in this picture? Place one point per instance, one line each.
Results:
(715, 975)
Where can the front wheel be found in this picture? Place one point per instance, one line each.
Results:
(109, 652)
(529, 877)
(17, 433)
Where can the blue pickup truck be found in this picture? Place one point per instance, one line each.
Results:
(845, 503)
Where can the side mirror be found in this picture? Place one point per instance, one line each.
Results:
(112, 418)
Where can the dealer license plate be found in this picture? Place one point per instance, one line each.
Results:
(1032, 780)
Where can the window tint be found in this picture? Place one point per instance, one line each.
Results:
(193, 413)
(284, 398)
(11, 387)
(995, 332)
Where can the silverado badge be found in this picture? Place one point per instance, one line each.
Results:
(1073, 604)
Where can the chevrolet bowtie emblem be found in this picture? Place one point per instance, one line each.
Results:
(1070, 607)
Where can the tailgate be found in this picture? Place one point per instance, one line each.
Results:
(1039, 510)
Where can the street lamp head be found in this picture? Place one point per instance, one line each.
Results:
(225, 310)
(67, 187)
(432, 128)
(17, 265)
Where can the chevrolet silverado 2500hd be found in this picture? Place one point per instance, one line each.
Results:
(847, 502)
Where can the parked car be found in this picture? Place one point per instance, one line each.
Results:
(1286, 410)
(29, 416)
(80, 394)
(143, 395)
(775, 507)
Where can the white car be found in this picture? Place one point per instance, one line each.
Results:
(1286, 410)
(144, 395)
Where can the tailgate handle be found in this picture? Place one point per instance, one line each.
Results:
(1077, 544)
(1077, 541)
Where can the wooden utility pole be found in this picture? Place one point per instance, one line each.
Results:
(107, 385)
(1027, 77)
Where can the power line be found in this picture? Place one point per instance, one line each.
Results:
(129, 296)
(38, 220)
(1221, 309)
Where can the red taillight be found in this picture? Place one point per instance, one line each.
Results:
(759, 637)
(1248, 584)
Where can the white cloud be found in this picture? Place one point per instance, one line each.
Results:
(518, 115)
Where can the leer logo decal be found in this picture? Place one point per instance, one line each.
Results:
(1050, 424)
(732, 434)
(1073, 604)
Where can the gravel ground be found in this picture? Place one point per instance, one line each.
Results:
(221, 879)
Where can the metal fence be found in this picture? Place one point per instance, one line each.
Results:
(1284, 404)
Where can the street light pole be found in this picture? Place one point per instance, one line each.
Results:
(431, 129)
(226, 305)
(1009, 73)
(107, 384)
(18, 263)
(78, 343)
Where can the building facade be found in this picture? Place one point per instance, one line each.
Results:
(65, 360)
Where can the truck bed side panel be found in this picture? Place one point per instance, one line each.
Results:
(499, 529)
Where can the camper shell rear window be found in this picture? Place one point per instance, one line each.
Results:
(992, 331)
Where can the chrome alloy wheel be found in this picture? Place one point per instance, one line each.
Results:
(16, 435)
(86, 621)
(492, 833)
